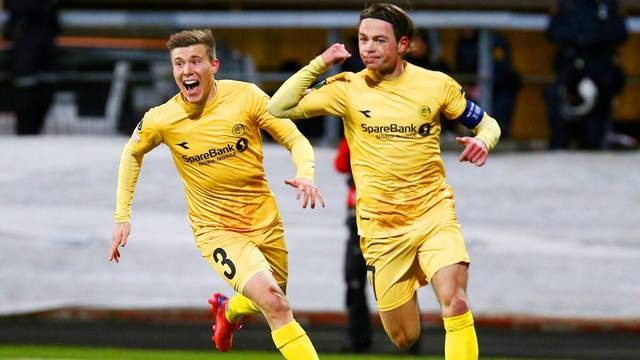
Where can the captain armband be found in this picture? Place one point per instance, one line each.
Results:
(471, 116)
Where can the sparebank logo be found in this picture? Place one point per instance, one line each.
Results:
(424, 129)
(218, 154)
(390, 128)
(390, 131)
(242, 144)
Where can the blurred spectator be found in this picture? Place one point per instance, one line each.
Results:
(506, 80)
(588, 77)
(32, 27)
(354, 63)
(355, 269)
(421, 55)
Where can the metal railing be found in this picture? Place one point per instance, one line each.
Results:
(332, 21)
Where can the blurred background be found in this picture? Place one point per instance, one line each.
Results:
(104, 62)
(561, 76)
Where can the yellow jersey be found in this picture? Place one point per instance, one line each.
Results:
(393, 131)
(217, 150)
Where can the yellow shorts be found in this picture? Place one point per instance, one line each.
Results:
(397, 266)
(237, 256)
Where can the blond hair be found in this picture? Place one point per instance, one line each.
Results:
(193, 37)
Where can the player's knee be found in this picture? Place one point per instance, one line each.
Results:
(455, 306)
(276, 304)
(404, 338)
(402, 334)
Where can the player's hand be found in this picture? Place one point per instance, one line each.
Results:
(335, 54)
(309, 189)
(475, 151)
(120, 235)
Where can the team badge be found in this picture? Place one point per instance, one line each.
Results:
(424, 112)
(238, 129)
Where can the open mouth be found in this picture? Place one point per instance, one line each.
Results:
(191, 86)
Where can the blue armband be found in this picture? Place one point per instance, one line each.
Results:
(472, 115)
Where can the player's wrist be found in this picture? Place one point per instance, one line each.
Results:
(318, 66)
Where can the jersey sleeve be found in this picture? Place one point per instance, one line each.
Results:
(453, 98)
(488, 131)
(287, 134)
(295, 100)
(145, 137)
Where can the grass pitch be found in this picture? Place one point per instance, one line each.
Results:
(33, 352)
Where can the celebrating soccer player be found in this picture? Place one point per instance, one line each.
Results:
(212, 128)
(405, 209)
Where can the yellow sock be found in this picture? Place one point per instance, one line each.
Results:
(293, 342)
(460, 342)
(240, 305)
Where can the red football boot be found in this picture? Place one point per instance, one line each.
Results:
(222, 329)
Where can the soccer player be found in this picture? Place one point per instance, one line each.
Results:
(212, 128)
(405, 209)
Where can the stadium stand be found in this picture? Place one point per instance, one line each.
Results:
(134, 32)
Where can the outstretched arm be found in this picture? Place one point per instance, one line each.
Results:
(284, 102)
(128, 173)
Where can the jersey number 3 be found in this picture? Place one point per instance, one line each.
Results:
(220, 256)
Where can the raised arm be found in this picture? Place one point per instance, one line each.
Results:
(284, 102)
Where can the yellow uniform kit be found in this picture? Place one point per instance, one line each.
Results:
(393, 131)
(217, 150)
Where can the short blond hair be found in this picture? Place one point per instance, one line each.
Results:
(193, 37)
